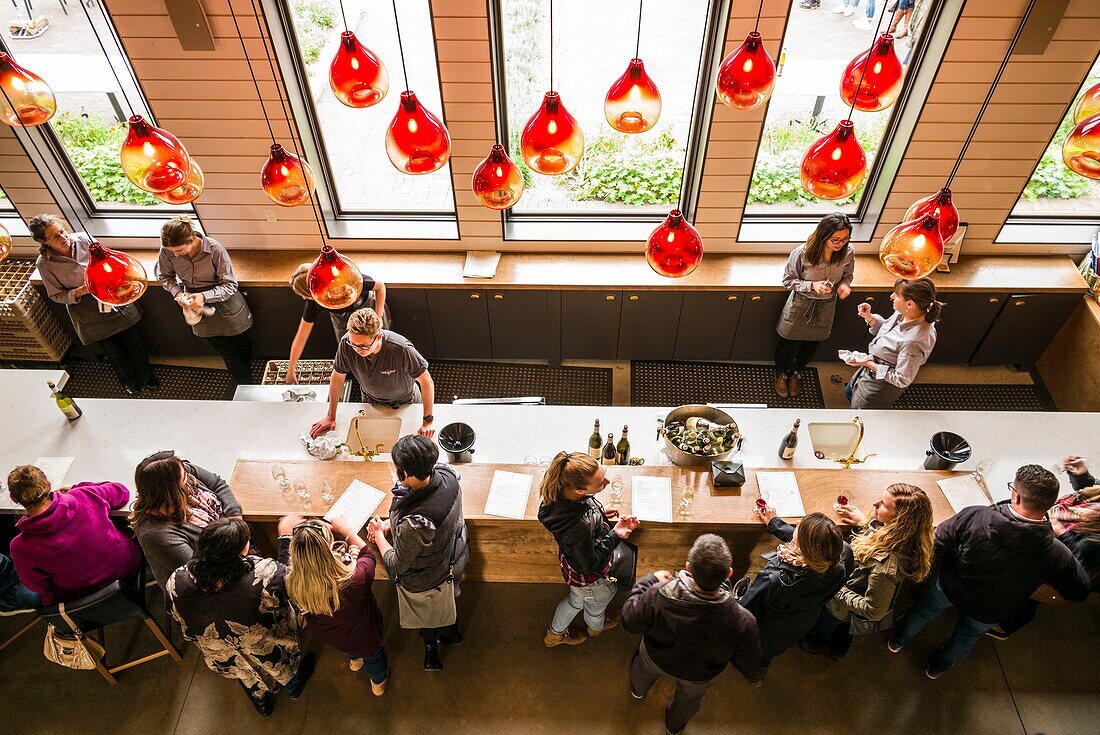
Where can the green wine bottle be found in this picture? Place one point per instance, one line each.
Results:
(608, 456)
(595, 444)
(622, 449)
(67, 405)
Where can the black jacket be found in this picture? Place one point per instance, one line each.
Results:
(584, 534)
(991, 561)
(690, 637)
(786, 599)
(426, 528)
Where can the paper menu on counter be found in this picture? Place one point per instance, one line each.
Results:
(357, 504)
(651, 498)
(508, 494)
(780, 489)
(55, 469)
(481, 264)
(962, 491)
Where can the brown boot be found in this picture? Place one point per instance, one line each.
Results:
(781, 385)
(567, 638)
(609, 622)
(792, 385)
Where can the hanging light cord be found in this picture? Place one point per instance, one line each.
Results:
(400, 46)
(867, 62)
(344, 16)
(103, 48)
(989, 95)
(551, 45)
(251, 71)
(758, 12)
(638, 42)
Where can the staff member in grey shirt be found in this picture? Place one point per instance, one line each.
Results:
(62, 259)
(901, 344)
(197, 271)
(388, 368)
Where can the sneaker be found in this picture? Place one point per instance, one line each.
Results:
(355, 664)
(995, 633)
(432, 661)
(838, 9)
(810, 4)
(609, 622)
(566, 638)
(265, 705)
(379, 689)
(781, 389)
(302, 675)
(863, 24)
(848, 10)
(893, 646)
(792, 385)
(932, 672)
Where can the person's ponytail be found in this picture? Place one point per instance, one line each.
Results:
(932, 315)
(566, 470)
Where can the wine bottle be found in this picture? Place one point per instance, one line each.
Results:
(594, 443)
(699, 424)
(609, 450)
(790, 441)
(67, 405)
(622, 449)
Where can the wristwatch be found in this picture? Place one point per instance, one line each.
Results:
(429, 418)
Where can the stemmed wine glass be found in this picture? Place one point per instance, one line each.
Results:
(281, 480)
(327, 496)
(304, 495)
(615, 493)
(978, 475)
(687, 497)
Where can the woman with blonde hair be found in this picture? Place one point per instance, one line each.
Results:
(373, 297)
(894, 546)
(587, 541)
(330, 583)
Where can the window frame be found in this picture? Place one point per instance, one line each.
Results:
(343, 223)
(587, 226)
(904, 116)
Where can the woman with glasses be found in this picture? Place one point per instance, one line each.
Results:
(197, 271)
(817, 274)
(330, 583)
(62, 258)
(586, 541)
(175, 501)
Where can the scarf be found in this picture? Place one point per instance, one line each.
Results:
(787, 555)
(1073, 509)
(205, 505)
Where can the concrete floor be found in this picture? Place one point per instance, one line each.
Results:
(502, 680)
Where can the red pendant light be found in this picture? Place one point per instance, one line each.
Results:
(552, 142)
(912, 249)
(633, 104)
(152, 158)
(747, 75)
(1081, 151)
(31, 98)
(1088, 105)
(834, 166)
(113, 277)
(497, 180)
(188, 191)
(873, 84)
(287, 180)
(940, 206)
(334, 281)
(417, 141)
(675, 248)
(5, 243)
(357, 77)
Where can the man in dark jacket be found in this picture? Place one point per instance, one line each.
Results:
(691, 627)
(990, 560)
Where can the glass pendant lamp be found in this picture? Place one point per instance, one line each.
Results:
(26, 99)
(675, 248)
(746, 77)
(189, 190)
(834, 165)
(112, 277)
(552, 142)
(417, 142)
(497, 181)
(1088, 105)
(873, 84)
(334, 281)
(633, 104)
(1081, 151)
(5, 243)
(152, 158)
(940, 206)
(286, 179)
(912, 249)
(356, 76)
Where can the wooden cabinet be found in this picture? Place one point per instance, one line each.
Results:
(965, 320)
(460, 323)
(1024, 327)
(165, 332)
(518, 324)
(411, 319)
(590, 324)
(708, 323)
(756, 336)
(275, 320)
(648, 324)
(849, 329)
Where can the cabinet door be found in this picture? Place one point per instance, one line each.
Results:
(708, 322)
(647, 329)
(409, 308)
(276, 312)
(460, 323)
(1024, 328)
(756, 336)
(163, 329)
(518, 324)
(966, 319)
(849, 329)
(590, 324)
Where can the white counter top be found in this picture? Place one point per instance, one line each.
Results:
(113, 435)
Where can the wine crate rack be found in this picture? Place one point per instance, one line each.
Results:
(28, 329)
(309, 372)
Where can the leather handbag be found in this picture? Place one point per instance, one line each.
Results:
(431, 608)
(75, 651)
(624, 566)
(862, 626)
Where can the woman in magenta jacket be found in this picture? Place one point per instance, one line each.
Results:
(67, 546)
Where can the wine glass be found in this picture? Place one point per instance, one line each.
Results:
(327, 496)
(281, 480)
(530, 459)
(841, 501)
(303, 493)
(978, 475)
(762, 501)
(615, 494)
(544, 460)
(687, 497)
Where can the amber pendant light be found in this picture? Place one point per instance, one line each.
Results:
(356, 76)
(112, 277)
(746, 77)
(1088, 105)
(417, 142)
(286, 179)
(873, 80)
(28, 101)
(834, 165)
(633, 103)
(940, 206)
(1081, 151)
(912, 249)
(334, 281)
(5, 243)
(152, 158)
(675, 248)
(497, 181)
(189, 190)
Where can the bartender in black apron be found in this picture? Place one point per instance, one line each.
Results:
(62, 259)
(901, 344)
(198, 273)
(817, 274)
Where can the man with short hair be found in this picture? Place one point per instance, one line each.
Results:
(691, 627)
(387, 367)
(990, 560)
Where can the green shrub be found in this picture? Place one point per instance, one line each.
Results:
(1053, 180)
(513, 151)
(631, 171)
(313, 21)
(93, 146)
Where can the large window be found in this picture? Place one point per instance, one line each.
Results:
(348, 144)
(5, 203)
(619, 175)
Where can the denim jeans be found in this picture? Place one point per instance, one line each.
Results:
(376, 665)
(684, 703)
(14, 595)
(592, 599)
(930, 606)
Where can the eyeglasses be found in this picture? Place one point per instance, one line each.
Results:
(840, 240)
(1011, 487)
(362, 349)
(318, 524)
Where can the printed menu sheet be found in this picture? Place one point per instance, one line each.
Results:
(508, 494)
(780, 489)
(55, 469)
(357, 504)
(962, 491)
(651, 498)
